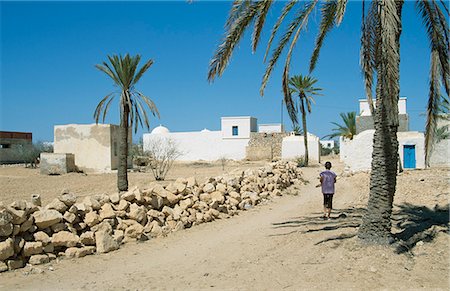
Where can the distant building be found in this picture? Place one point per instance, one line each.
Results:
(327, 144)
(94, 146)
(238, 139)
(12, 144)
(357, 153)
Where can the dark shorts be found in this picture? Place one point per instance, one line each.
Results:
(328, 200)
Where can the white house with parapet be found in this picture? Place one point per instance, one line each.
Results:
(237, 139)
(327, 144)
(357, 153)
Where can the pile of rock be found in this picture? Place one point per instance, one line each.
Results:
(30, 233)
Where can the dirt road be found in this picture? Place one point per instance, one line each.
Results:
(271, 247)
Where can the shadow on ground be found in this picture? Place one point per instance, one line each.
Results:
(411, 224)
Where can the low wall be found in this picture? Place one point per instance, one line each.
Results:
(30, 233)
(264, 146)
(56, 164)
(294, 146)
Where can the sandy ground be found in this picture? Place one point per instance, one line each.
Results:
(282, 245)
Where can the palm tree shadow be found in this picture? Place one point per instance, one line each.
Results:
(411, 224)
(418, 223)
(349, 218)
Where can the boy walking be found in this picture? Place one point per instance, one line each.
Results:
(327, 181)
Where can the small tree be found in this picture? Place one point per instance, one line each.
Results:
(162, 153)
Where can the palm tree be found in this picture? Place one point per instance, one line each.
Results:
(380, 57)
(348, 129)
(305, 90)
(125, 75)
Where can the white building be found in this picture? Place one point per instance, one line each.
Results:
(327, 144)
(357, 153)
(230, 142)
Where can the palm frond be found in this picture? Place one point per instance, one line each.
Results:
(232, 37)
(141, 72)
(368, 51)
(304, 15)
(259, 22)
(100, 105)
(340, 11)
(286, 9)
(433, 105)
(390, 25)
(281, 45)
(327, 22)
(237, 8)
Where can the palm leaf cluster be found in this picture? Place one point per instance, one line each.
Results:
(381, 29)
(347, 129)
(125, 75)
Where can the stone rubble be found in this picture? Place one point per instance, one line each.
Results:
(35, 234)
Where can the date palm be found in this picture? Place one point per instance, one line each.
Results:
(380, 57)
(125, 74)
(346, 130)
(304, 88)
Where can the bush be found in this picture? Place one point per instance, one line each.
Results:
(300, 161)
(162, 153)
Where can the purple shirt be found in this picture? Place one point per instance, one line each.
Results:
(328, 180)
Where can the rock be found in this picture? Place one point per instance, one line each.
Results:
(114, 198)
(205, 197)
(137, 213)
(65, 239)
(73, 209)
(6, 249)
(87, 238)
(91, 202)
(118, 235)
(6, 226)
(103, 226)
(27, 224)
(36, 200)
(218, 196)
(209, 188)
(167, 211)
(186, 203)
(58, 227)
(157, 202)
(191, 182)
(160, 191)
(105, 242)
(46, 218)
(18, 216)
(39, 259)
(49, 248)
(3, 267)
(32, 248)
(69, 217)
(221, 188)
(68, 199)
(134, 231)
(123, 205)
(42, 237)
(128, 196)
(91, 219)
(177, 211)
(106, 212)
(172, 198)
(81, 207)
(19, 243)
(79, 252)
(57, 205)
(233, 202)
(199, 217)
(156, 229)
(19, 205)
(15, 264)
(235, 195)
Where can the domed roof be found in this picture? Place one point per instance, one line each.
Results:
(205, 130)
(160, 130)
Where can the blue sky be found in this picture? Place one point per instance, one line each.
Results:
(49, 50)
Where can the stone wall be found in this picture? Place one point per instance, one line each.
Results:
(68, 227)
(264, 146)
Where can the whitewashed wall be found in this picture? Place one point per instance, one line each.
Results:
(94, 145)
(357, 153)
(207, 145)
(294, 146)
(245, 124)
(271, 128)
(440, 156)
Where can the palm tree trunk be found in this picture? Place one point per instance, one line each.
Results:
(122, 174)
(376, 224)
(305, 131)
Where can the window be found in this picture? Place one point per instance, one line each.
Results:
(5, 146)
(235, 131)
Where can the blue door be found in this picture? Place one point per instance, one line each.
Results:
(409, 156)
